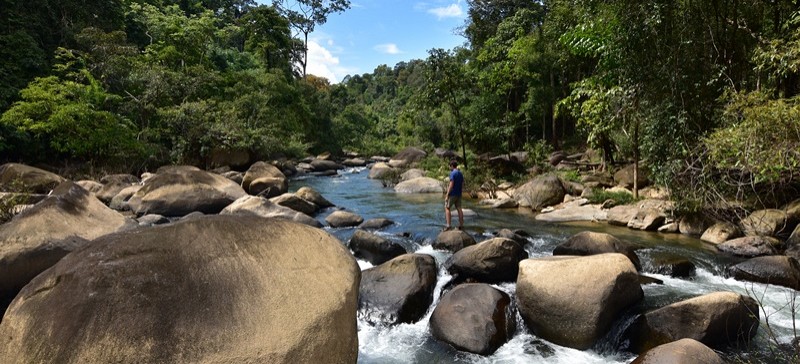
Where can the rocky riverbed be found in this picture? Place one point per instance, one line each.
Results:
(191, 265)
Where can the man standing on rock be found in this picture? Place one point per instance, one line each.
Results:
(453, 195)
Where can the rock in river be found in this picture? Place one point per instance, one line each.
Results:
(216, 289)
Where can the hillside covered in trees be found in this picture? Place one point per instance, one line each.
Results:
(704, 93)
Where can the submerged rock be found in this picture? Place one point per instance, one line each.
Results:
(373, 248)
(492, 261)
(420, 185)
(777, 269)
(453, 240)
(715, 319)
(476, 318)
(398, 291)
(343, 219)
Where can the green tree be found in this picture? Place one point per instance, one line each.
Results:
(305, 15)
(448, 86)
(71, 115)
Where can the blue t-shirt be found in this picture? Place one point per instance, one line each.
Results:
(458, 182)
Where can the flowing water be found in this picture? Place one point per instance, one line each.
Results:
(418, 220)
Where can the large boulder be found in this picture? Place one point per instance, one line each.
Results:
(577, 210)
(793, 244)
(15, 177)
(311, 195)
(541, 192)
(40, 236)
(373, 248)
(265, 179)
(410, 155)
(420, 185)
(683, 351)
(120, 201)
(182, 192)
(777, 269)
(591, 243)
(721, 232)
(597, 180)
(354, 162)
(376, 223)
(113, 184)
(173, 169)
(572, 301)
(647, 219)
(343, 219)
(694, 224)
(453, 240)
(520, 236)
(259, 206)
(621, 215)
(750, 246)
(770, 222)
(411, 174)
(90, 185)
(296, 203)
(477, 318)
(379, 170)
(493, 261)
(398, 291)
(214, 289)
(624, 177)
(715, 319)
(323, 165)
(504, 165)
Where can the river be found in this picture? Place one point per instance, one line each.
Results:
(418, 220)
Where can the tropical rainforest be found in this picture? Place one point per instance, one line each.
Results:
(703, 93)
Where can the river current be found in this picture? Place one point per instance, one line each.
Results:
(418, 220)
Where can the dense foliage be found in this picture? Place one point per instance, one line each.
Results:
(704, 93)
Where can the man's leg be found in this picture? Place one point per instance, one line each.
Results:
(447, 215)
(460, 218)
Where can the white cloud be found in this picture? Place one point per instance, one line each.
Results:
(323, 63)
(388, 48)
(451, 11)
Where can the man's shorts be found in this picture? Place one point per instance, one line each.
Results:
(453, 200)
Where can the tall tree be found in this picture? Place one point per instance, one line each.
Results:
(305, 15)
(448, 85)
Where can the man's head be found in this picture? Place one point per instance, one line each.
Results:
(453, 164)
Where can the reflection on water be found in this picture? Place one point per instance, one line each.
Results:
(418, 220)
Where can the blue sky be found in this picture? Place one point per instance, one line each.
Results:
(375, 32)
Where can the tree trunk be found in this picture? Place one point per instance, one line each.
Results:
(636, 159)
(305, 54)
(463, 143)
(553, 113)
